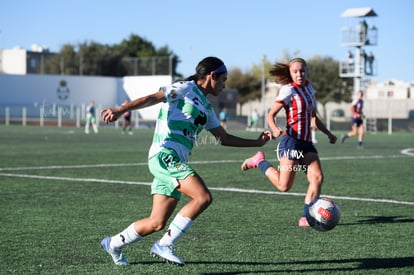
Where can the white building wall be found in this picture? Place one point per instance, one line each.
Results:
(13, 61)
(35, 91)
(392, 89)
(138, 86)
(58, 89)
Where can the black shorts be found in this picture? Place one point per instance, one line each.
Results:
(294, 149)
(357, 121)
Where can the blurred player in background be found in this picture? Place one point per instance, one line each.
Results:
(295, 150)
(126, 120)
(357, 120)
(223, 118)
(91, 118)
(184, 113)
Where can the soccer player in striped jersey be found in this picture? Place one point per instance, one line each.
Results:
(357, 120)
(295, 150)
(184, 112)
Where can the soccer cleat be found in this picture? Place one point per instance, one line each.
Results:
(117, 256)
(166, 253)
(344, 137)
(253, 162)
(303, 222)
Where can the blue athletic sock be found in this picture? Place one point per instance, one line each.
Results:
(264, 165)
(305, 210)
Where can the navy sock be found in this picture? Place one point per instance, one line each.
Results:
(305, 210)
(264, 165)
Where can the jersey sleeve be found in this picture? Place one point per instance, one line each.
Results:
(174, 91)
(285, 95)
(354, 102)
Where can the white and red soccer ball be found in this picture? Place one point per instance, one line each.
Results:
(323, 214)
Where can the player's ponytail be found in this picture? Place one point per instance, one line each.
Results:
(281, 74)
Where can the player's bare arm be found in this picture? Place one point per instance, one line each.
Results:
(276, 130)
(112, 114)
(321, 126)
(227, 139)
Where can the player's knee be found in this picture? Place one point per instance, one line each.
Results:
(203, 201)
(284, 188)
(206, 200)
(157, 225)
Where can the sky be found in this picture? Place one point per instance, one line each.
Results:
(238, 32)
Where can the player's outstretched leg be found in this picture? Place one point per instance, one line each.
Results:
(253, 162)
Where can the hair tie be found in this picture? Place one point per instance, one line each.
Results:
(221, 69)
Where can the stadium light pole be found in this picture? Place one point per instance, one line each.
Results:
(263, 92)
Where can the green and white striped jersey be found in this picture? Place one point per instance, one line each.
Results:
(184, 114)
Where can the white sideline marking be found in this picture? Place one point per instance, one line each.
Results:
(80, 166)
(211, 188)
(403, 155)
(73, 179)
(408, 152)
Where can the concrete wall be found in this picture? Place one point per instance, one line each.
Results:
(34, 91)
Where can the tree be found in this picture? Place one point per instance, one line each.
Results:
(64, 62)
(134, 55)
(141, 53)
(247, 85)
(324, 76)
(98, 59)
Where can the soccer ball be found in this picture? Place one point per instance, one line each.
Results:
(323, 214)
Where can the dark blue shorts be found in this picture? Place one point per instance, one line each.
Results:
(357, 121)
(294, 149)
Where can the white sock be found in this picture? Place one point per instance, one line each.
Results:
(313, 135)
(128, 236)
(178, 227)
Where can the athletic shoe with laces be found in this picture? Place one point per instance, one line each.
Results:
(253, 162)
(303, 222)
(166, 253)
(116, 254)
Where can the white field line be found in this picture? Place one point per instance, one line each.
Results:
(73, 179)
(103, 165)
(404, 153)
(238, 190)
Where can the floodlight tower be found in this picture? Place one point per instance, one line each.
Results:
(362, 32)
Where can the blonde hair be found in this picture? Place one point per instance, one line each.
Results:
(281, 74)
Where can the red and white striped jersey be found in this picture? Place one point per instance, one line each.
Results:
(299, 103)
(357, 106)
